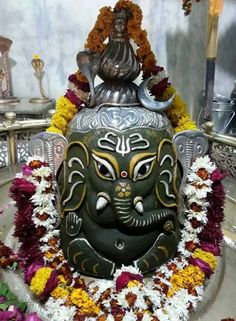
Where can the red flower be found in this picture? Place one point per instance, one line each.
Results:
(29, 253)
(158, 89)
(196, 207)
(34, 164)
(21, 188)
(24, 226)
(190, 246)
(125, 277)
(73, 98)
(217, 175)
(203, 173)
(7, 256)
(155, 70)
(195, 223)
(84, 86)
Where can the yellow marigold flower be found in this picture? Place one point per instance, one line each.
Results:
(65, 111)
(178, 114)
(53, 129)
(61, 279)
(189, 277)
(59, 293)
(64, 103)
(40, 279)
(170, 91)
(48, 255)
(86, 305)
(207, 257)
(59, 122)
(133, 283)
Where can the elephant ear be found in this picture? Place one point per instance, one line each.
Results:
(168, 179)
(71, 177)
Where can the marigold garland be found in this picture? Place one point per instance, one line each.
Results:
(78, 84)
(65, 111)
(187, 278)
(207, 257)
(86, 305)
(178, 114)
(138, 35)
(40, 279)
(100, 31)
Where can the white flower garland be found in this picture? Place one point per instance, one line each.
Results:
(164, 307)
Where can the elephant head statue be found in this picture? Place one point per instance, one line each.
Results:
(119, 186)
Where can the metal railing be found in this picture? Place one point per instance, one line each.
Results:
(223, 151)
(15, 136)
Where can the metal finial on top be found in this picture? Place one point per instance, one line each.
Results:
(119, 62)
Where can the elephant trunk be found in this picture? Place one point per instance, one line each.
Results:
(123, 208)
(133, 219)
(129, 209)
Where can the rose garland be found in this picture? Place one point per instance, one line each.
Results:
(176, 287)
(77, 94)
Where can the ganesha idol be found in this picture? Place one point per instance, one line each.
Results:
(119, 183)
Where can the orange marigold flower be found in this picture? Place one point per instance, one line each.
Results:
(203, 173)
(80, 76)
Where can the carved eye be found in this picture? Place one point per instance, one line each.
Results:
(143, 168)
(104, 169)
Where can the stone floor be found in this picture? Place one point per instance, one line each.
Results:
(224, 303)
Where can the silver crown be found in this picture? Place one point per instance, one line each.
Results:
(119, 118)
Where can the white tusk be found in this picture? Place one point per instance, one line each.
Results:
(101, 203)
(139, 207)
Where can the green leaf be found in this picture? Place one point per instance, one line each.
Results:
(13, 266)
(11, 296)
(4, 288)
(4, 306)
(22, 306)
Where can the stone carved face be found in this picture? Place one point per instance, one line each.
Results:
(119, 195)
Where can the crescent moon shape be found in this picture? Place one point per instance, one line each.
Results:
(148, 102)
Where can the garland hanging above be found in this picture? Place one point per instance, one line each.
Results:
(77, 93)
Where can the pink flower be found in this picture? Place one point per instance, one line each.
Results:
(13, 313)
(32, 317)
(31, 270)
(51, 284)
(213, 248)
(204, 266)
(125, 277)
(26, 170)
